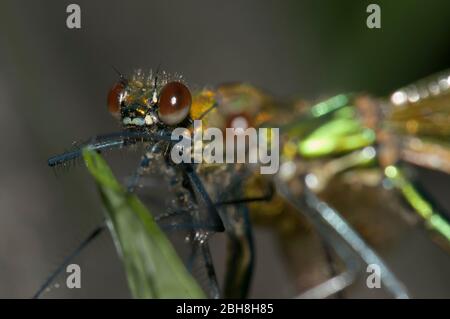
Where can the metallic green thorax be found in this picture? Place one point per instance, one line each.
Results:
(331, 127)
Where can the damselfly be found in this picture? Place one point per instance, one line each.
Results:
(149, 108)
(337, 135)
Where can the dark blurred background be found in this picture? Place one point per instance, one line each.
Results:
(53, 83)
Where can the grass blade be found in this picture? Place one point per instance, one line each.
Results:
(152, 265)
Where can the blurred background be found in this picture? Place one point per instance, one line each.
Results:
(53, 86)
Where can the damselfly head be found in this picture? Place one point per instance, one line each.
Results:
(146, 100)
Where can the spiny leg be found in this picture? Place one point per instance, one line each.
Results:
(324, 173)
(240, 245)
(211, 273)
(240, 250)
(235, 201)
(89, 239)
(241, 255)
(199, 248)
(333, 271)
(108, 141)
(332, 286)
(244, 200)
(196, 183)
(340, 235)
(150, 152)
(186, 186)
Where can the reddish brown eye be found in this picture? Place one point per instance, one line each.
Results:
(113, 98)
(174, 103)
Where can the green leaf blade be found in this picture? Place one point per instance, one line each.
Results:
(153, 268)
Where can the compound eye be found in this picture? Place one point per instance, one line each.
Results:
(114, 99)
(174, 103)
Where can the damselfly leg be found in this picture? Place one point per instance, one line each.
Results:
(89, 239)
(340, 235)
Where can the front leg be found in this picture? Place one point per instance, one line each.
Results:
(151, 152)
